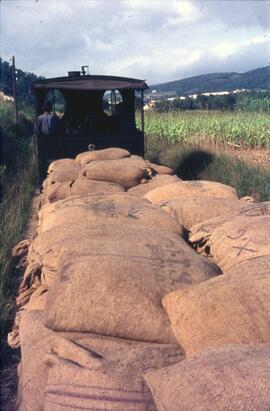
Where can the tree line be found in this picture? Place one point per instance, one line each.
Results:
(246, 101)
(23, 81)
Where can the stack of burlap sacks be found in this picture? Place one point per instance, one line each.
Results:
(117, 311)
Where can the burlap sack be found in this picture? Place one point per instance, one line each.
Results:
(195, 188)
(159, 169)
(20, 250)
(101, 199)
(28, 286)
(252, 265)
(256, 209)
(24, 296)
(96, 155)
(230, 309)
(45, 250)
(200, 234)
(138, 161)
(114, 208)
(37, 299)
(62, 164)
(104, 373)
(99, 371)
(231, 378)
(151, 184)
(126, 172)
(32, 372)
(59, 191)
(191, 211)
(59, 176)
(122, 273)
(47, 247)
(30, 281)
(240, 239)
(32, 272)
(83, 186)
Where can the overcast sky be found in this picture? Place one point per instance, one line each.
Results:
(155, 40)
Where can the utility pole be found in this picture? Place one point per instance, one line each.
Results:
(14, 89)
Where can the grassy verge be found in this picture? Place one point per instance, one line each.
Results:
(14, 210)
(208, 162)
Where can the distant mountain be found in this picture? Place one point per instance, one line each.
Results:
(254, 79)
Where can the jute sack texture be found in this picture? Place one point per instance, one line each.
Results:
(195, 188)
(254, 265)
(37, 299)
(126, 172)
(230, 309)
(21, 249)
(32, 371)
(231, 378)
(65, 370)
(160, 169)
(152, 183)
(60, 191)
(96, 155)
(104, 373)
(64, 163)
(200, 234)
(137, 161)
(113, 283)
(241, 239)
(32, 298)
(60, 176)
(191, 211)
(115, 208)
(46, 248)
(25, 293)
(121, 197)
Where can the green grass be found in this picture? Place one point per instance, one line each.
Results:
(193, 127)
(14, 211)
(210, 163)
(9, 127)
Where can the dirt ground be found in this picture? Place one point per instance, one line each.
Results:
(252, 156)
(255, 157)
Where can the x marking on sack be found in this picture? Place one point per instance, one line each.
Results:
(244, 248)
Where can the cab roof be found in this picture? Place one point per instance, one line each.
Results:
(91, 82)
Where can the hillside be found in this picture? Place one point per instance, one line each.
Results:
(254, 79)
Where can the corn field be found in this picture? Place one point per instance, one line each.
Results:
(190, 127)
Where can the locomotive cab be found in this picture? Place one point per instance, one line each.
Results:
(96, 110)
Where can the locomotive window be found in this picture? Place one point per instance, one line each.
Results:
(58, 101)
(111, 100)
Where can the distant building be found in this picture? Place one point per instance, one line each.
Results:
(219, 93)
(155, 97)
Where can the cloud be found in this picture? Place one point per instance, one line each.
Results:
(225, 49)
(237, 13)
(159, 40)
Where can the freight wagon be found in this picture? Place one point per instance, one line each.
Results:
(99, 111)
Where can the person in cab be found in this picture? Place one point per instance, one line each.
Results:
(48, 122)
